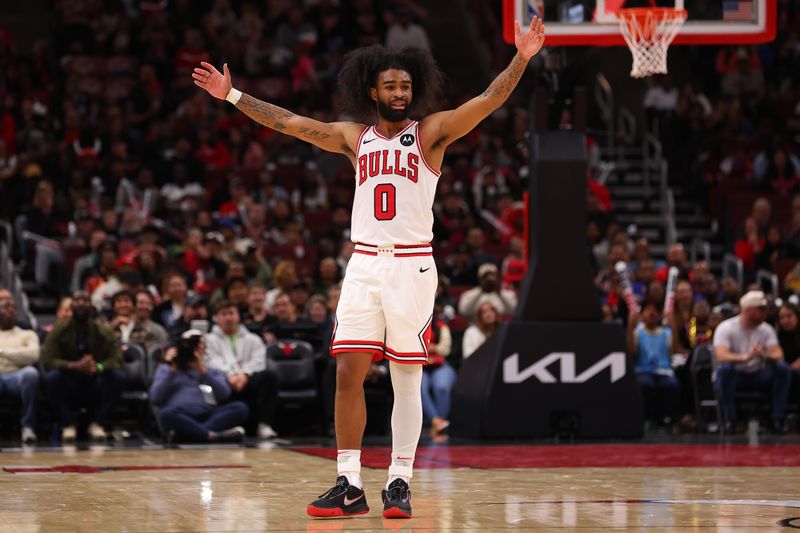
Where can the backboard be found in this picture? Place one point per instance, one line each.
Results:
(594, 22)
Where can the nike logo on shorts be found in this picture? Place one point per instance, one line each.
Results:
(421, 270)
(348, 501)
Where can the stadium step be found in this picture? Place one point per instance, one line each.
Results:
(638, 206)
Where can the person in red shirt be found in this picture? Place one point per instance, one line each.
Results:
(749, 244)
(676, 256)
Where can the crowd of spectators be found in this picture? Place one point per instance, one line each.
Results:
(130, 190)
(731, 130)
(160, 210)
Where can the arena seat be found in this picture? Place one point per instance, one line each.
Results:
(297, 379)
(702, 373)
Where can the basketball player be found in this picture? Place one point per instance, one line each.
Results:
(388, 292)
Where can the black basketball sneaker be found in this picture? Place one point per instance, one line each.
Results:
(397, 500)
(342, 499)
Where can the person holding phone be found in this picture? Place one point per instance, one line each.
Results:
(195, 316)
(191, 397)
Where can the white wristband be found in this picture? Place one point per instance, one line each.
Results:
(233, 96)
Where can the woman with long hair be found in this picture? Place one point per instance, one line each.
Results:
(486, 321)
(789, 333)
(284, 278)
(789, 339)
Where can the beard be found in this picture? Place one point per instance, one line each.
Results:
(81, 314)
(393, 115)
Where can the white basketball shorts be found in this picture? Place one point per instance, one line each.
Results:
(386, 305)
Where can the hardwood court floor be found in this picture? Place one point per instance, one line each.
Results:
(471, 488)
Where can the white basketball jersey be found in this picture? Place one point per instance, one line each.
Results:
(395, 188)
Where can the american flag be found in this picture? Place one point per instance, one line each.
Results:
(737, 10)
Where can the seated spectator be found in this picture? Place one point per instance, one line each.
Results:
(195, 316)
(242, 357)
(63, 312)
(643, 277)
(147, 333)
(749, 356)
(236, 291)
(772, 250)
(235, 270)
(19, 349)
(104, 283)
(284, 277)
(42, 220)
(328, 275)
(486, 321)
(318, 313)
(171, 309)
(299, 294)
(792, 242)
(676, 256)
(783, 173)
(256, 317)
(678, 320)
(438, 378)
(651, 345)
(83, 362)
(457, 266)
(476, 244)
(750, 244)
(123, 320)
(190, 396)
(701, 328)
(291, 326)
(85, 264)
(444, 306)
(22, 322)
(789, 339)
(505, 301)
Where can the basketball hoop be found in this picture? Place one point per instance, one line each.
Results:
(649, 32)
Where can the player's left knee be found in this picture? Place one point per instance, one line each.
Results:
(406, 379)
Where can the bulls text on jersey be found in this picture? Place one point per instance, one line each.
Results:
(382, 163)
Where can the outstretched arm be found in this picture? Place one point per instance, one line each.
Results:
(337, 137)
(443, 128)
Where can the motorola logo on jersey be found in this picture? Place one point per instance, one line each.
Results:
(384, 163)
(407, 139)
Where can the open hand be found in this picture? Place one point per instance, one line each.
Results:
(528, 44)
(218, 84)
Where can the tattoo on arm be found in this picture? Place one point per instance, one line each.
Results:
(313, 135)
(505, 83)
(263, 112)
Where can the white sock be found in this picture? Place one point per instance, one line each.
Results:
(348, 463)
(406, 419)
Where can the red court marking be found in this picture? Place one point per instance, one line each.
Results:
(86, 469)
(603, 455)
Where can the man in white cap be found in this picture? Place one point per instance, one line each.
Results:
(488, 288)
(750, 357)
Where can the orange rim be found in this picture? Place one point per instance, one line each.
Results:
(645, 19)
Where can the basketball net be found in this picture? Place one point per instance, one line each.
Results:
(649, 32)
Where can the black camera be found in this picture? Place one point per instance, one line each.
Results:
(186, 351)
